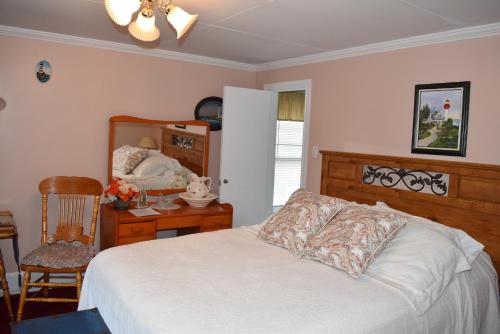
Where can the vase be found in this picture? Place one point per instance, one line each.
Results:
(121, 205)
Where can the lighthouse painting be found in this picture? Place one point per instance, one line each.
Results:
(440, 118)
(43, 71)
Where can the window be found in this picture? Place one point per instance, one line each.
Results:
(288, 164)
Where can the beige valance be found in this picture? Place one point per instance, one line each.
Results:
(291, 106)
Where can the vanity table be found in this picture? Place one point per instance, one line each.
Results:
(121, 227)
(157, 156)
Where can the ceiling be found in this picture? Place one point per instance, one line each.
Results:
(262, 31)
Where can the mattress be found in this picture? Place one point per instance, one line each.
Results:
(231, 282)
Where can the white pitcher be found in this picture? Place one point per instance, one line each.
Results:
(199, 186)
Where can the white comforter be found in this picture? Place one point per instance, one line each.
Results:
(230, 282)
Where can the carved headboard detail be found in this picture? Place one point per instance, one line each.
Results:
(186, 147)
(471, 201)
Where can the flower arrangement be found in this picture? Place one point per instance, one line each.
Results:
(122, 190)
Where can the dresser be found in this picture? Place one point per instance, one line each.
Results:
(122, 227)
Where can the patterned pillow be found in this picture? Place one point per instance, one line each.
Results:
(303, 216)
(353, 238)
(127, 157)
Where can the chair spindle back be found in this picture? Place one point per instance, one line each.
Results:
(72, 193)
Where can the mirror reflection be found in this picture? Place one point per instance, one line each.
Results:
(158, 155)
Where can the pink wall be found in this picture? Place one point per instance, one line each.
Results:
(361, 104)
(365, 104)
(61, 127)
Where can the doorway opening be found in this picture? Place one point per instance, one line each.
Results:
(292, 127)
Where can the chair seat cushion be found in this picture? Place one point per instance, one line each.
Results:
(60, 255)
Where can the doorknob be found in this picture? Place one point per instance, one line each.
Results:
(226, 181)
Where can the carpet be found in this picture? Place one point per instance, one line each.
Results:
(35, 310)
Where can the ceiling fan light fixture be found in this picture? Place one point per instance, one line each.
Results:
(120, 11)
(144, 28)
(180, 20)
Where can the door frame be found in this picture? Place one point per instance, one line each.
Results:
(304, 85)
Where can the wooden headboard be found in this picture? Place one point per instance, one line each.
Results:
(186, 147)
(457, 194)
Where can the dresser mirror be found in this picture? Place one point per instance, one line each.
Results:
(157, 155)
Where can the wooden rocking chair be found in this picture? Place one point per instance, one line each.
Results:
(58, 253)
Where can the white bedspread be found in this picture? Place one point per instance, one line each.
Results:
(230, 282)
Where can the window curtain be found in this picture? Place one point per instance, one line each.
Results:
(291, 106)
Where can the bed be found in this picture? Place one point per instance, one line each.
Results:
(232, 282)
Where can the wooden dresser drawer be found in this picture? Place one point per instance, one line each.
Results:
(213, 221)
(216, 228)
(126, 241)
(136, 229)
(178, 222)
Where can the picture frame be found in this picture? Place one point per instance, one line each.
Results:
(440, 118)
(43, 71)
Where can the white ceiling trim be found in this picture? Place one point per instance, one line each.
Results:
(442, 37)
(404, 43)
(122, 47)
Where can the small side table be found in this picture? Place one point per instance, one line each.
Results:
(8, 230)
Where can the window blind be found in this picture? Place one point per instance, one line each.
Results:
(288, 164)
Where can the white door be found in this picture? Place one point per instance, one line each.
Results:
(247, 153)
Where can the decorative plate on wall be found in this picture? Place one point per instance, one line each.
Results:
(43, 71)
(210, 109)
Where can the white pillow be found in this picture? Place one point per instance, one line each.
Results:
(420, 263)
(127, 157)
(153, 152)
(469, 246)
(155, 165)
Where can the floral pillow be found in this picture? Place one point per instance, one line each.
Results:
(127, 157)
(303, 216)
(353, 238)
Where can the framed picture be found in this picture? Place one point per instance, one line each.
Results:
(43, 71)
(440, 118)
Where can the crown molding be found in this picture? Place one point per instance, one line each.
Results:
(122, 47)
(404, 43)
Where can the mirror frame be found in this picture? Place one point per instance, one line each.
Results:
(113, 120)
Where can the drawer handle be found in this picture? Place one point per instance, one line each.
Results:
(137, 230)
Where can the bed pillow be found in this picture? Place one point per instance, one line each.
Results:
(127, 157)
(352, 239)
(469, 246)
(419, 262)
(155, 165)
(303, 215)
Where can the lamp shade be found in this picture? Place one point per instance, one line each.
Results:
(180, 20)
(147, 142)
(120, 11)
(144, 28)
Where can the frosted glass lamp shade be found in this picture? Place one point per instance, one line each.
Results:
(120, 11)
(147, 142)
(180, 20)
(144, 28)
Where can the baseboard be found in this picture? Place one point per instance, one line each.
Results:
(14, 287)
